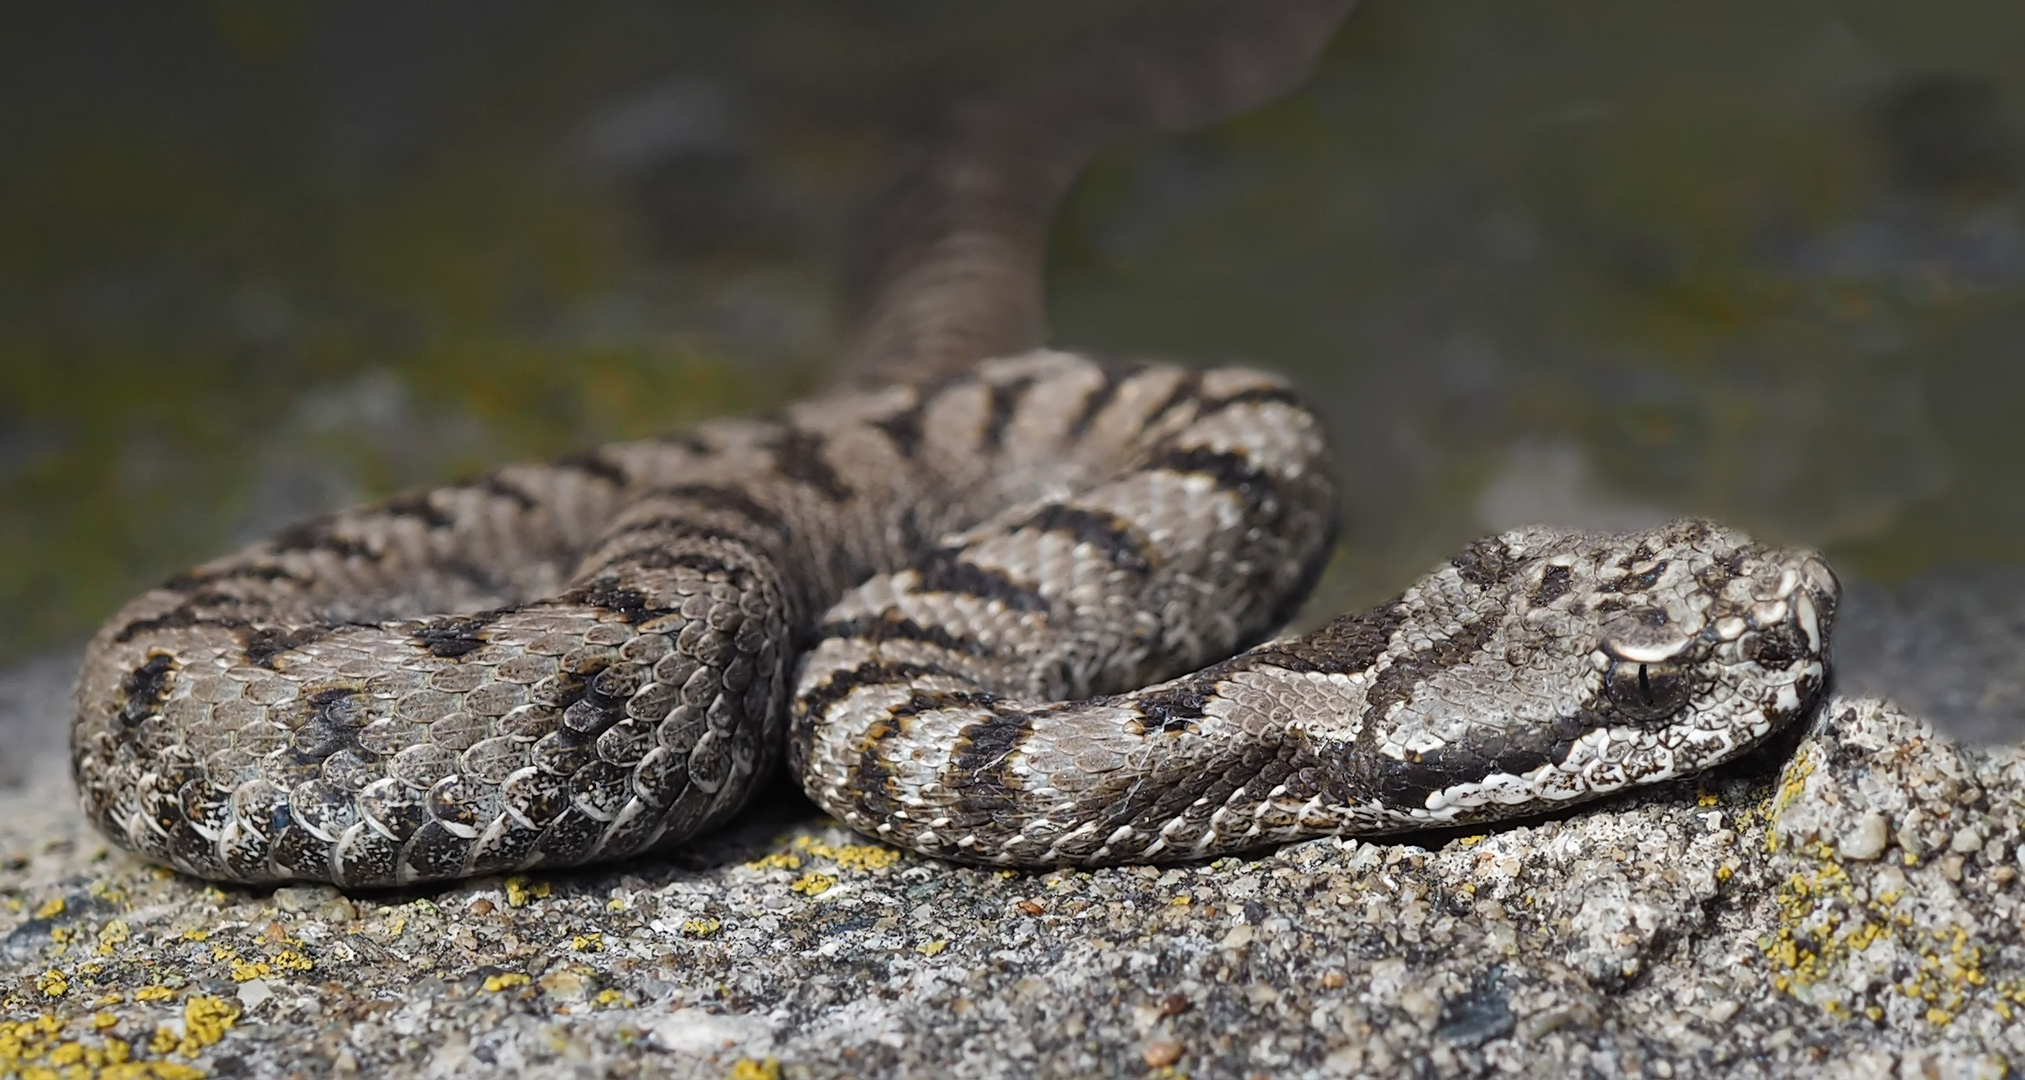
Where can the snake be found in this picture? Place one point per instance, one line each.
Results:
(1015, 608)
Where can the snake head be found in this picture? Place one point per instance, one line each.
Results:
(1594, 661)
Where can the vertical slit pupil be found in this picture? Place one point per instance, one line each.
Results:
(1644, 685)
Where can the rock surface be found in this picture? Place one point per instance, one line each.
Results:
(1847, 907)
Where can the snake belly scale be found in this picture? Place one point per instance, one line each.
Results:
(976, 614)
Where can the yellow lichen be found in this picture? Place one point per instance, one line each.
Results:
(703, 927)
(779, 860)
(860, 857)
(505, 981)
(53, 983)
(206, 1019)
(813, 884)
(50, 908)
(931, 948)
(156, 992)
(519, 890)
(754, 1069)
(592, 942)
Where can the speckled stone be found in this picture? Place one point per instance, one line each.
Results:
(1713, 927)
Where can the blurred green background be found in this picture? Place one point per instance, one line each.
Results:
(1576, 262)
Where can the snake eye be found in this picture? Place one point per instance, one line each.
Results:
(1648, 691)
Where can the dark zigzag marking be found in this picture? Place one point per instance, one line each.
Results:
(672, 527)
(690, 441)
(892, 626)
(263, 643)
(183, 615)
(1231, 471)
(606, 594)
(1348, 644)
(905, 428)
(454, 635)
(945, 570)
(1256, 395)
(1115, 375)
(816, 703)
(1005, 403)
(1172, 706)
(594, 463)
(316, 535)
(196, 578)
(660, 559)
(983, 755)
(500, 487)
(145, 687)
(1110, 534)
(1398, 682)
(798, 455)
(418, 505)
(729, 500)
(1185, 390)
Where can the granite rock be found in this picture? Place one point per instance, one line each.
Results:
(1761, 922)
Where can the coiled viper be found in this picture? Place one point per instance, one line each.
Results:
(974, 610)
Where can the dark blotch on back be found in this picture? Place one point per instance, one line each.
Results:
(1554, 584)
(630, 605)
(1639, 582)
(145, 687)
(1232, 472)
(1170, 708)
(1258, 395)
(264, 643)
(1349, 643)
(728, 500)
(453, 636)
(331, 721)
(1101, 397)
(983, 751)
(798, 455)
(904, 428)
(893, 626)
(185, 582)
(418, 505)
(1005, 401)
(595, 464)
(1108, 533)
(1486, 563)
(946, 571)
(1185, 391)
(499, 487)
(319, 535)
(1397, 682)
(877, 673)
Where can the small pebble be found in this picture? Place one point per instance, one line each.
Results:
(1866, 842)
(1160, 1053)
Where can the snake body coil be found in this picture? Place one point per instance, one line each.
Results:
(985, 578)
(973, 606)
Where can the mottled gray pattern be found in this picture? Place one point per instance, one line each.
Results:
(557, 664)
